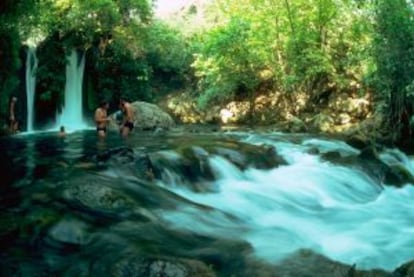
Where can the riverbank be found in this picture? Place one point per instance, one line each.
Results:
(347, 115)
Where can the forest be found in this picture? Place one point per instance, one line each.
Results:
(224, 138)
(285, 60)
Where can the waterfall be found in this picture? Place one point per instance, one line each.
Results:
(31, 66)
(71, 116)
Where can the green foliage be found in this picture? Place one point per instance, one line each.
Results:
(166, 48)
(225, 65)
(116, 73)
(305, 45)
(10, 13)
(168, 56)
(111, 28)
(394, 45)
(50, 85)
(254, 45)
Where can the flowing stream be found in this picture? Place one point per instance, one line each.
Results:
(237, 202)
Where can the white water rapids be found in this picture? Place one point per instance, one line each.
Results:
(337, 211)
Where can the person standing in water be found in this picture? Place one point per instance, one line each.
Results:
(13, 122)
(62, 132)
(101, 119)
(128, 117)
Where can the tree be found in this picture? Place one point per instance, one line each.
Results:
(305, 46)
(11, 11)
(394, 53)
(225, 65)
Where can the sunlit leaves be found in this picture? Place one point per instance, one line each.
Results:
(304, 44)
(225, 64)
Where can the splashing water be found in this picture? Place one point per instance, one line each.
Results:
(336, 211)
(72, 115)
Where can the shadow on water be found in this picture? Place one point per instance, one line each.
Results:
(149, 205)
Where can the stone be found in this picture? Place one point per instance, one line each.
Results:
(147, 116)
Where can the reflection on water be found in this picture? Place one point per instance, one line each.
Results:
(196, 205)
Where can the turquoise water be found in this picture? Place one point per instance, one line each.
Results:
(82, 206)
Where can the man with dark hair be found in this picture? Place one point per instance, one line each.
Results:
(128, 117)
(101, 118)
(13, 122)
(62, 132)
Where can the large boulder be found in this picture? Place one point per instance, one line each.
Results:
(146, 116)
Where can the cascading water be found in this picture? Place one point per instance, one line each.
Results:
(338, 211)
(221, 204)
(31, 66)
(71, 116)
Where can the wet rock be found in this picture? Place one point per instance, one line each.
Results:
(406, 270)
(94, 195)
(322, 122)
(191, 168)
(143, 167)
(370, 162)
(119, 155)
(147, 116)
(124, 160)
(162, 266)
(308, 263)
(245, 155)
(332, 156)
(69, 231)
(190, 163)
(295, 124)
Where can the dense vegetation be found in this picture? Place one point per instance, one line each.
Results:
(317, 47)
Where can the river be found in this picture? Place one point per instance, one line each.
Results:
(221, 203)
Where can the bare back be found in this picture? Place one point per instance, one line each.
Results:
(129, 115)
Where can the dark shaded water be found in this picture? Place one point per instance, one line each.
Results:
(196, 205)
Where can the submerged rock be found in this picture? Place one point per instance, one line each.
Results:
(95, 196)
(161, 266)
(308, 263)
(191, 162)
(69, 231)
(369, 161)
(122, 159)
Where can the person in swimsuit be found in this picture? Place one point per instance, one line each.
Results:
(13, 122)
(101, 118)
(128, 118)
